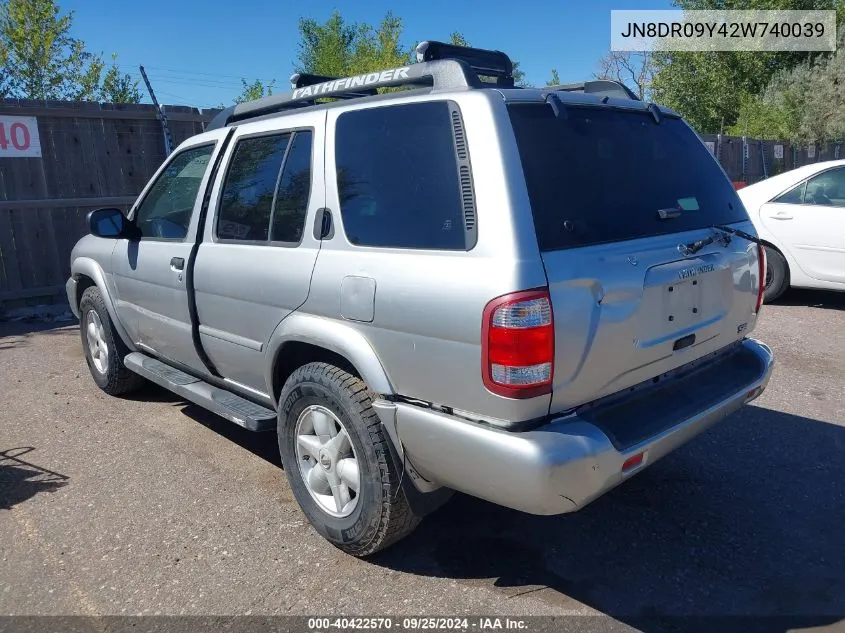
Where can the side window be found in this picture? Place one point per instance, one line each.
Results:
(165, 212)
(827, 189)
(793, 196)
(247, 196)
(294, 188)
(397, 177)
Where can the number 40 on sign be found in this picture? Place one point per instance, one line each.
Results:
(19, 137)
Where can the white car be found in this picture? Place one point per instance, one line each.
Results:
(800, 215)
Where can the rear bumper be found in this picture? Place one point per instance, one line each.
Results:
(561, 466)
(70, 288)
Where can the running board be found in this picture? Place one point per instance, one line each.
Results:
(220, 401)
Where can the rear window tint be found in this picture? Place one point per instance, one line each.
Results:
(397, 177)
(599, 175)
(248, 190)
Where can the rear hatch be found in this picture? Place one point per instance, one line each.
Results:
(616, 195)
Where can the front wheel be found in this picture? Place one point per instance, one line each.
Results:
(104, 350)
(337, 458)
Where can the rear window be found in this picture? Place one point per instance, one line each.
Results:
(600, 175)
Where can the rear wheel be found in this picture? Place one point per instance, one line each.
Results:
(777, 275)
(104, 350)
(337, 458)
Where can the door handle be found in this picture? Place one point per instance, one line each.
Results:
(177, 263)
(781, 215)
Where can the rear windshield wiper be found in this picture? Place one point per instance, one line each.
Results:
(721, 238)
(738, 233)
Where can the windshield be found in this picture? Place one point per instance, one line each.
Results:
(601, 175)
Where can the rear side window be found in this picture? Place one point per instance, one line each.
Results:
(250, 185)
(598, 175)
(793, 196)
(397, 177)
(294, 187)
(265, 194)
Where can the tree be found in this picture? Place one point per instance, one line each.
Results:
(255, 90)
(555, 80)
(118, 87)
(635, 70)
(458, 39)
(709, 88)
(379, 48)
(326, 49)
(805, 104)
(40, 59)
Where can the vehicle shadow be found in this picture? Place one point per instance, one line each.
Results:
(827, 299)
(20, 479)
(745, 521)
(262, 445)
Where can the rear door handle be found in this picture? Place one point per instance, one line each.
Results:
(177, 263)
(782, 215)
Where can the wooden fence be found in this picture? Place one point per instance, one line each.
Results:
(96, 155)
(92, 155)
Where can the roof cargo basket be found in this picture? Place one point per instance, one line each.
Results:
(484, 62)
(600, 87)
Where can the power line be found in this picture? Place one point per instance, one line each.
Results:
(194, 82)
(191, 73)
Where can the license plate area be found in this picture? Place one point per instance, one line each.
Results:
(682, 304)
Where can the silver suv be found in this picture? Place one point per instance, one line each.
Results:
(526, 295)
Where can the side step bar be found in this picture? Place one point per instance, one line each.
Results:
(220, 401)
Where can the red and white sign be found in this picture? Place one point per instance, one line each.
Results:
(19, 137)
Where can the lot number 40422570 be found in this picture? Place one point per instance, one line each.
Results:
(19, 137)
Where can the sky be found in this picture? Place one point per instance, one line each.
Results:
(195, 54)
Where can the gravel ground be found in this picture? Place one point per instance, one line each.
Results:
(149, 505)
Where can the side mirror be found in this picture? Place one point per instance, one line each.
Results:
(111, 223)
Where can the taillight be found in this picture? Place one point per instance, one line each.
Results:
(518, 344)
(761, 274)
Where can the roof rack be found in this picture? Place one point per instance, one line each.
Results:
(301, 80)
(441, 67)
(441, 74)
(599, 87)
(484, 62)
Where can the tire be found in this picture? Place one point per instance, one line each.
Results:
(777, 275)
(320, 398)
(106, 367)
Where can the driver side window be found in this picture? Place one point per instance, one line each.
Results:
(165, 212)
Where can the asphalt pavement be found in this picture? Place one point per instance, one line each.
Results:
(149, 505)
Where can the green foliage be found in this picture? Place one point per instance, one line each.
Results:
(710, 88)
(326, 49)
(457, 39)
(255, 90)
(118, 87)
(40, 59)
(379, 48)
(339, 49)
(555, 80)
(805, 104)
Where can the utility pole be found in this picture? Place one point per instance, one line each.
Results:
(168, 140)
